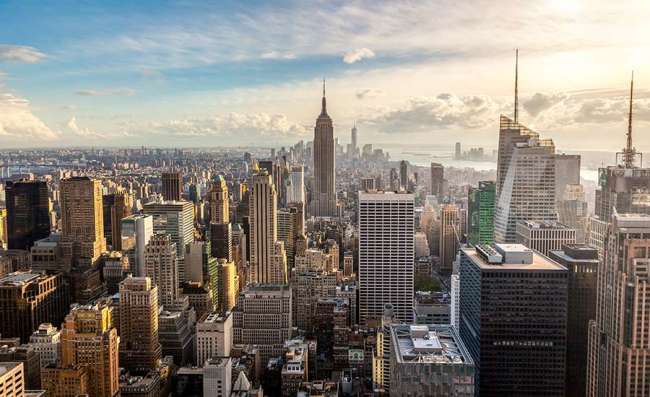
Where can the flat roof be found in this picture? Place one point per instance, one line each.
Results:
(19, 278)
(540, 262)
(429, 344)
(8, 366)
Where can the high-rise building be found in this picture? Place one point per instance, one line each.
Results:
(457, 151)
(544, 237)
(437, 180)
(573, 210)
(513, 319)
(213, 337)
(403, 175)
(481, 202)
(161, 266)
(46, 341)
(263, 227)
(175, 218)
(290, 226)
(262, 318)
(115, 208)
(429, 360)
(449, 236)
(28, 357)
(323, 201)
(136, 232)
(367, 184)
(140, 350)
(12, 379)
(526, 180)
(567, 172)
(89, 343)
(217, 377)
(278, 272)
(221, 241)
(172, 186)
(296, 190)
(28, 299)
(582, 263)
(354, 144)
(386, 260)
(618, 337)
(28, 214)
(228, 286)
(308, 287)
(82, 219)
(219, 201)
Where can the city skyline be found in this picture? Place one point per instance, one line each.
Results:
(120, 75)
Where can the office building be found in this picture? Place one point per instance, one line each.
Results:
(12, 379)
(115, 208)
(28, 357)
(221, 241)
(217, 377)
(450, 235)
(46, 341)
(513, 320)
(480, 213)
(173, 218)
(403, 175)
(161, 266)
(567, 172)
(262, 318)
(82, 221)
(618, 346)
(437, 180)
(353, 151)
(228, 286)
(140, 350)
(28, 213)
(526, 180)
(582, 263)
(454, 305)
(544, 237)
(386, 270)
(296, 190)
(432, 307)
(323, 201)
(172, 186)
(278, 272)
(219, 201)
(136, 232)
(29, 299)
(263, 227)
(214, 335)
(175, 333)
(573, 210)
(290, 227)
(429, 360)
(307, 288)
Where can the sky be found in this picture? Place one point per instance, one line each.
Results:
(228, 73)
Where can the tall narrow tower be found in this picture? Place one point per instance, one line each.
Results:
(263, 227)
(324, 197)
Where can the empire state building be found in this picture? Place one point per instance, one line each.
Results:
(323, 201)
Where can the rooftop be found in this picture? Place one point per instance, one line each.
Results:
(544, 225)
(530, 260)
(19, 278)
(7, 366)
(429, 344)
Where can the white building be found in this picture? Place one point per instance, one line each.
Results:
(46, 340)
(455, 301)
(136, 232)
(544, 236)
(296, 189)
(161, 266)
(386, 254)
(217, 377)
(213, 337)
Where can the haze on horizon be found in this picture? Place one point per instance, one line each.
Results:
(194, 74)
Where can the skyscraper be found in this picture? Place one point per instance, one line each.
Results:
(437, 180)
(449, 236)
(513, 319)
(28, 215)
(172, 186)
(219, 201)
(290, 226)
(136, 231)
(403, 175)
(544, 237)
(221, 241)
(323, 201)
(263, 227)
(296, 191)
(115, 208)
(481, 202)
(618, 342)
(83, 238)
(175, 218)
(140, 350)
(161, 266)
(386, 254)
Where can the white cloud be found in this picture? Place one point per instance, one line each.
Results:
(20, 53)
(107, 92)
(368, 93)
(81, 131)
(19, 125)
(357, 55)
(278, 55)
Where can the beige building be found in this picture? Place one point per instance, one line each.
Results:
(161, 265)
(213, 337)
(449, 236)
(308, 287)
(263, 228)
(12, 380)
(323, 202)
(219, 201)
(228, 286)
(544, 237)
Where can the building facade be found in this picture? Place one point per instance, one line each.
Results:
(323, 201)
(28, 213)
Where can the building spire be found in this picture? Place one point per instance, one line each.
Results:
(324, 104)
(629, 152)
(517, 85)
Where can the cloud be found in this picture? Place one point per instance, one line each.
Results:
(80, 131)
(20, 53)
(444, 111)
(357, 55)
(540, 102)
(368, 93)
(107, 92)
(19, 124)
(236, 125)
(278, 55)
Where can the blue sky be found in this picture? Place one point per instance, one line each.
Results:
(186, 73)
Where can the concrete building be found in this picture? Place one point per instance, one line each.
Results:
(295, 369)
(262, 318)
(618, 345)
(29, 299)
(115, 207)
(308, 287)
(28, 213)
(219, 201)
(263, 227)
(46, 341)
(437, 180)
(12, 379)
(214, 336)
(217, 377)
(45, 254)
(172, 186)
(221, 246)
(228, 286)
(30, 360)
(175, 333)
(432, 308)
(175, 218)
(513, 319)
(136, 232)
(429, 360)
(567, 172)
(161, 266)
(450, 234)
(386, 260)
(323, 202)
(296, 190)
(290, 226)
(544, 237)
(140, 350)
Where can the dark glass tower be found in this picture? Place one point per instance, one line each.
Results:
(27, 213)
